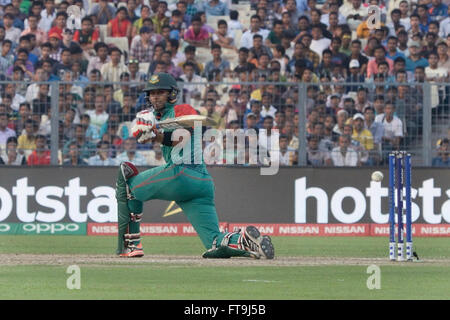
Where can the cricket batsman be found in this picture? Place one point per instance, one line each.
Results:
(189, 185)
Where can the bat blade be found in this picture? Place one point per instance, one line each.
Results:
(185, 122)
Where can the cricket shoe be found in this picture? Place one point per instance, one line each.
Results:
(133, 252)
(257, 244)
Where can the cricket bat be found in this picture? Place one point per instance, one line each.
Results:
(185, 122)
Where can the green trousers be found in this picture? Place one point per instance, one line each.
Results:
(192, 191)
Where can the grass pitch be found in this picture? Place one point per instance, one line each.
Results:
(35, 267)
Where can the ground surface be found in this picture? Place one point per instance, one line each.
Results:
(36, 267)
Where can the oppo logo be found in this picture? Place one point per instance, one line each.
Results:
(4, 227)
(51, 228)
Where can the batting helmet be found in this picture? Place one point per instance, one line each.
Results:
(163, 81)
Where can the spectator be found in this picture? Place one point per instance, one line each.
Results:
(120, 26)
(442, 159)
(189, 54)
(363, 136)
(215, 8)
(319, 43)
(155, 156)
(26, 142)
(11, 33)
(139, 23)
(393, 128)
(5, 132)
(47, 15)
(223, 36)
(344, 154)
(415, 60)
(103, 11)
(379, 56)
(102, 157)
(193, 91)
(234, 23)
(130, 154)
(88, 36)
(160, 19)
(444, 57)
(11, 157)
(59, 24)
(314, 155)
(355, 14)
(33, 28)
(73, 158)
(217, 62)
(41, 155)
(196, 35)
(255, 28)
(142, 50)
(112, 70)
(92, 133)
(98, 116)
(86, 148)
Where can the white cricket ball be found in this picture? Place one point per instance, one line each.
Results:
(377, 176)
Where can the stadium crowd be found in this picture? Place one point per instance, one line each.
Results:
(363, 71)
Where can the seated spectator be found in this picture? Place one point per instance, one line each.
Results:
(377, 130)
(73, 157)
(319, 43)
(217, 62)
(11, 33)
(139, 23)
(64, 65)
(234, 23)
(393, 128)
(170, 67)
(196, 35)
(193, 91)
(120, 26)
(59, 24)
(189, 54)
(33, 28)
(356, 13)
(41, 155)
(159, 18)
(142, 50)
(102, 157)
(442, 159)
(223, 36)
(363, 136)
(26, 142)
(444, 57)
(104, 11)
(315, 156)
(130, 153)
(344, 154)
(5, 132)
(415, 60)
(112, 70)
(255, 28)
(379, 56)
(98, 116)
(88, 36)
(11, 157)
(86, 148)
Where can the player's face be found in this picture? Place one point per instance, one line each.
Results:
(158, 98)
